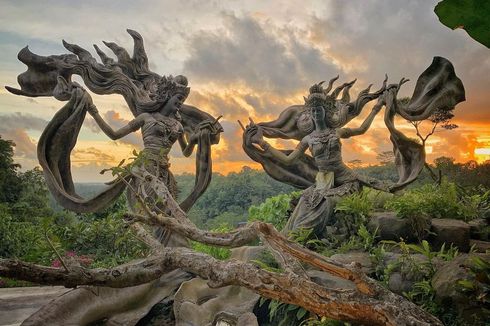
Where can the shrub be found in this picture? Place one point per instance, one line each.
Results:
(274, 210)
(430, 200)
(216, 252)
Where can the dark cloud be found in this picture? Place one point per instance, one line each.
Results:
(225, 104)
(21, 120)
(267, 104)
(252, 53)
(370, 38)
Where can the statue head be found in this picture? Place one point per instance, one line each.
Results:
(172, 89)
(321, 105)
(167, 95)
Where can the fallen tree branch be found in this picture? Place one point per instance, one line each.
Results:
(245, 235)
(349, 305)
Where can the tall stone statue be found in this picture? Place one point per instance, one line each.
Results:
(320, 124)
(157, 104)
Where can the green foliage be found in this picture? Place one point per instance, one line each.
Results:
(273, 210)
(284, 314)
(362, 240)
(470, 15)
(10, 185)
(307, 238)
(421, 271)
(435, 201)
(107, 240)
(423, 294)
(216, 252)
(18, 239)
(477, 286)
(33, 201)
(227, 218)
(407, 264)
(232, 194)
(357, 205)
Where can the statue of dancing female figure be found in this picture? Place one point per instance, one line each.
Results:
(157, 104)
(333, 176)
(320, 124)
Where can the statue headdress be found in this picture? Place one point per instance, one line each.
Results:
(319, 97)
(169, 86)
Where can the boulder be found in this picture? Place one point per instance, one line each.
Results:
(450, 231)
(391, 227)
(330, 281)
(448, 292)
(403, 276)
(480, 246)
(399, 283)
(478, 229)
(361, 257)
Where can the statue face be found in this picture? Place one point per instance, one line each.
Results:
(318, 113)
(174, 104)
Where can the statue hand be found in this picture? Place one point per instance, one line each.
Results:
(207, 125)
(91, 108)
(257, 136)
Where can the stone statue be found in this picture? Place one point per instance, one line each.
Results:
(320, 124)
(157, 104)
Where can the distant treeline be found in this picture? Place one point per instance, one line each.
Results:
(229, 197)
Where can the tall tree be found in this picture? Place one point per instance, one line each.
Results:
(10, 185)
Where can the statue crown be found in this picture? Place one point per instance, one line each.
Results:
(169, 86)
(318, 97)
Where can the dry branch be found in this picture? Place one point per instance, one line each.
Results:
(348, 305)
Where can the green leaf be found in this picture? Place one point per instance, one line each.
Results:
(467, 284)
(301, 313)
(470, 15)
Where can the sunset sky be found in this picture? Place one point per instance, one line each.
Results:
(245, 58)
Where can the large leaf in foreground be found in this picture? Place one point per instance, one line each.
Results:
(470, 15)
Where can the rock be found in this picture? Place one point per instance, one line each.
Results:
(403, 276)
(479, 245)
(391, 227)
(450, 231)
(445, 284)
(362, 258)
(477, 229)
(330, 281)
(398, 283)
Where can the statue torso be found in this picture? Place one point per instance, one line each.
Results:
(160, 131)
(326, 149)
